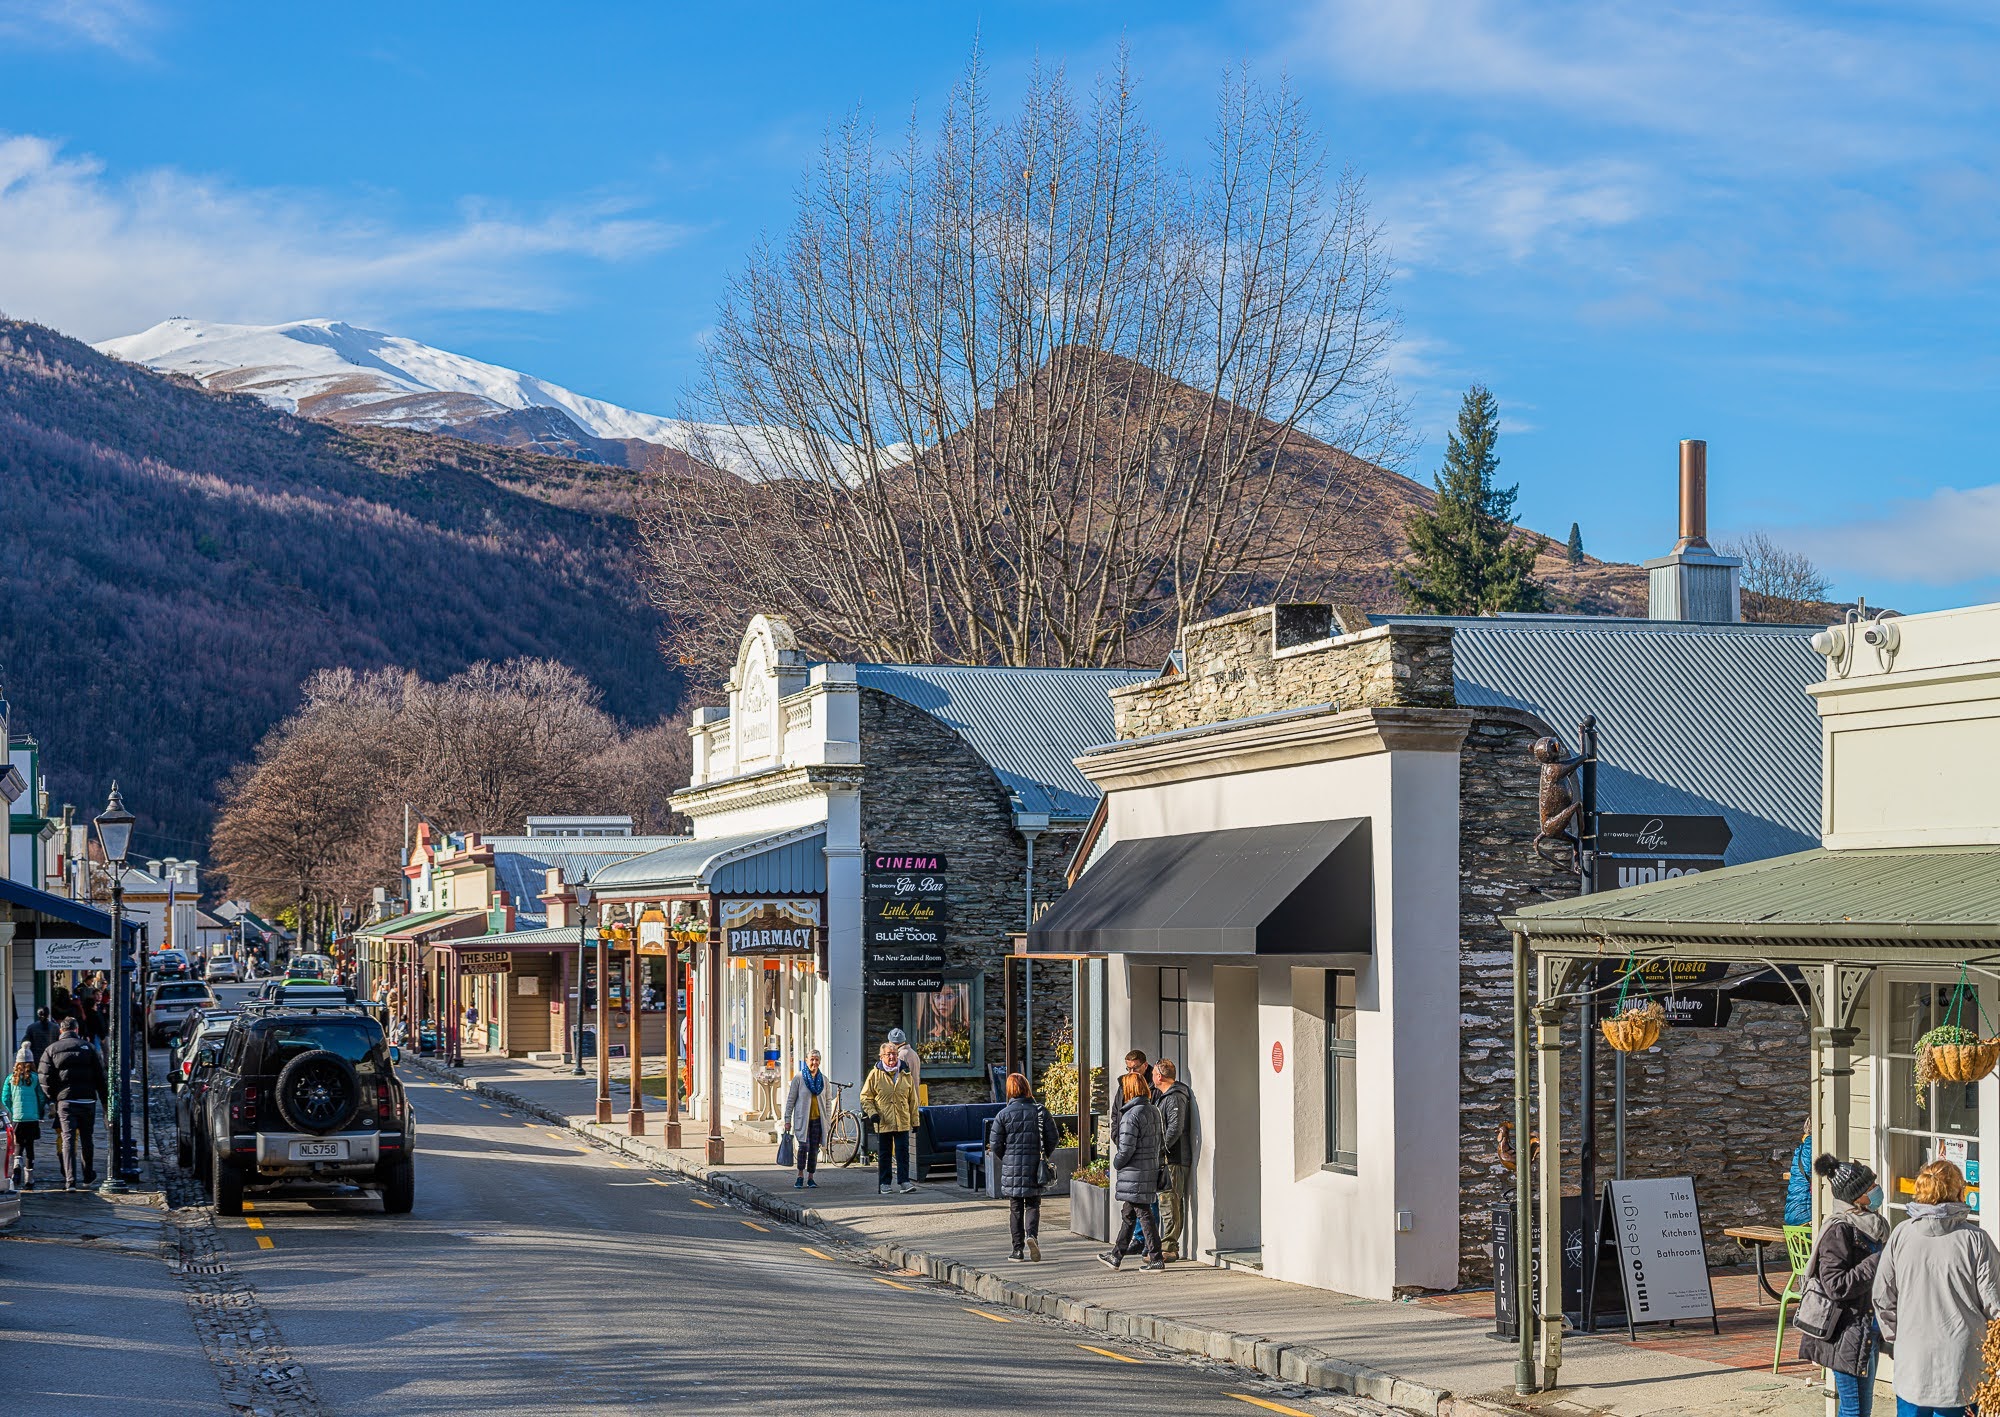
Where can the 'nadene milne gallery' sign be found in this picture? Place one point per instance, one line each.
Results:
(762, 927)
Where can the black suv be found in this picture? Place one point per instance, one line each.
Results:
(307, 1093)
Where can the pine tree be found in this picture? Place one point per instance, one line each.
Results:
(1468, 559)
(1575, 544)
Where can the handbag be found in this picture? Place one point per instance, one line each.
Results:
(1046, 1175)
(787, 1154)
(1817, 1315)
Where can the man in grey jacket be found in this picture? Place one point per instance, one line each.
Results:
(1176, 1104)
(1937, 1286)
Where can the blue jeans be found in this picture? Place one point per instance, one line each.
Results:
(1855, 1396)
(1910, 1409)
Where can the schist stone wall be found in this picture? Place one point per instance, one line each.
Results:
(1750, 1077)
(1287, 656)
(925, 790)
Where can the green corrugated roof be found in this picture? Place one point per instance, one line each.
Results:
(549, 937)
(399, 923)
(1890, 896)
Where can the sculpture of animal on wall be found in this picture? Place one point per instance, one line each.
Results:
(1558, 801)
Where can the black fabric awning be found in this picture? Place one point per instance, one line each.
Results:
(1301, 888)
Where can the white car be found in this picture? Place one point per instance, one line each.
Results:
(222, 969)
(170, 1005)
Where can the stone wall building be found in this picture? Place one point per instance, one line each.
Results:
(1271, 722)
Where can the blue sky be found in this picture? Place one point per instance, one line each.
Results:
(1775, 227)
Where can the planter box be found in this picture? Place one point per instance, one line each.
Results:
(1062, 1161)
(1090, 1210)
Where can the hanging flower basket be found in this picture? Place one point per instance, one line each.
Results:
(1636, 1029)
(1950, 1053)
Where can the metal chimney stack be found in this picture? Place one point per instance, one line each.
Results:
(1694, 583)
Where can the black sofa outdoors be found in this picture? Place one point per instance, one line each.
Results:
(941, 1128)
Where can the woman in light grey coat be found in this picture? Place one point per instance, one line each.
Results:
(805, 1119)
(1936, 1287)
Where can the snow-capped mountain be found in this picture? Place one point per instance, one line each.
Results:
(331, 370)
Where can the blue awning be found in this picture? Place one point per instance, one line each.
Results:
(789, 862)
(54, 916)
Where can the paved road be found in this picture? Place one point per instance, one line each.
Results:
(538, 1275)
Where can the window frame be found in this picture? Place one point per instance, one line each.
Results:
(1340, 1060)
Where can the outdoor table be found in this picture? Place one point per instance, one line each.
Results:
(1754, 1238)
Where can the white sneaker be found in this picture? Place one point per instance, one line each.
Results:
(886, 1189)
(909, 1186)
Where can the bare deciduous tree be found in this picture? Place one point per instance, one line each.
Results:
(316, 820)
(1773, 570)
(1028, 393)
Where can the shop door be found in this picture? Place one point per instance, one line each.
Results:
(1943, 1120)
(1235, 1135)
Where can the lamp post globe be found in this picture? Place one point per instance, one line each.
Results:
(114, 836)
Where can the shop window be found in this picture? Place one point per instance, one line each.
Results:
(1173, 1016)
(1341, 1131)
(1943, 1120)
(736, 1012)
(947, 1028)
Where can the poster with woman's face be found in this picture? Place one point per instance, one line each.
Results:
(944, 1024)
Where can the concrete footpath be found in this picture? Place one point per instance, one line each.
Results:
(1408, 1355)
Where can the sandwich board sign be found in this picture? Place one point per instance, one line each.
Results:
(1655, 1225)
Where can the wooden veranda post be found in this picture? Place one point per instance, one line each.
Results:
(635, 1116)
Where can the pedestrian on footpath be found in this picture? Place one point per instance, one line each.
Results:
(1136, 1159)
(889, 1099)
(73, 1078)
(804, 1122)
(1018, 1141)
(1844, 1261)
(1937, 1285)
(41, 1035)
(25, 1104)
(1798, 1182)
(1176, 1104)
(911, 1059)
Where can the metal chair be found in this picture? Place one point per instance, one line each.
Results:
(1799, 1246)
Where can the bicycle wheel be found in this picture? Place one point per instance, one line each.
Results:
(843, 1139)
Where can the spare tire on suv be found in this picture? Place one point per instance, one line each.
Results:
(318, 1091)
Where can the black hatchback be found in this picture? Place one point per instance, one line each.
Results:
(307, 1095)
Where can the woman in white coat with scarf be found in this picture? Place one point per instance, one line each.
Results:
(1937, 1286)
(805, 1119)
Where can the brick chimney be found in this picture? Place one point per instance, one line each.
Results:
(1694, 583)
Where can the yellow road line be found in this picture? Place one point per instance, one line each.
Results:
(705, 1205)
(249, 1205)
(658, 1182)
(1107, 1353)
(997, 1318)
(254, 1223)
(906, 1288)
(264, 1242)
(1268, 1406)
(755, 1226)
(818, 1254)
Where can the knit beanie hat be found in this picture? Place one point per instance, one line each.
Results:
(1849, 1180)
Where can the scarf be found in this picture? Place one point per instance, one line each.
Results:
(813, 1082)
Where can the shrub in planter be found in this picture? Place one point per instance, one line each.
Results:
(1089, 1208)
(1636, 1029)
(1949, 1053)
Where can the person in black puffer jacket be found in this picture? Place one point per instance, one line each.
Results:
(1844, 1260)
(1017, 1139)
(1136, 1160)
(72, 1075)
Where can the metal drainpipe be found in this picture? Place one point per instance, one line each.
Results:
(1524, 1284)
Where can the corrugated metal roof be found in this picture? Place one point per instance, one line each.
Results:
(1887, 895)
(550, 937)
(399, 923)
(1028, 724)
(792, 861)
(520, 864)
(1695, 719)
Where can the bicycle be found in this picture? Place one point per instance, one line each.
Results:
(843, 1129)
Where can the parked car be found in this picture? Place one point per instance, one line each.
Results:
(309, 967)
(305, 1092)
(190, 1080)
(222, 969)
(170, 1003)
(168, 964)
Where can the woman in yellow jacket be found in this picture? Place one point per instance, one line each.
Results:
(889, 1101)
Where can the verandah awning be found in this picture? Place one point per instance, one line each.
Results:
(37, 914)
(1298, 888)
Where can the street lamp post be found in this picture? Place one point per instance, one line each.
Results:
(114, 835)
(583, 896)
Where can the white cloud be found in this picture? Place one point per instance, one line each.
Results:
(1948, 538)
(110, 24)
(1506, 205)
(97, 256)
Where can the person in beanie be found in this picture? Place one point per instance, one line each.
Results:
(889, 1100)
(911, 1060)
(1136, 1159)
(805, 1120)
(1017, 1140)
(25, 1104)
(1937, 1285)
(73, 1077)
(1843, 1260)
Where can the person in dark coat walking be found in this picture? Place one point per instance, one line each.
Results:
(1136, 1160)
(1017, 1141)
(1843, 1260)
(41, 1035)
(1176, 1104)
(72, 1075)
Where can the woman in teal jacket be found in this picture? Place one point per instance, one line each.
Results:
(25, 1104)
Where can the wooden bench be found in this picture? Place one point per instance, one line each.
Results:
(1756, 1238)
